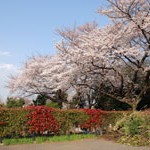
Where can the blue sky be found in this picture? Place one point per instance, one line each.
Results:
(28, 27)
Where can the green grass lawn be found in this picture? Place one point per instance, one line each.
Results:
(64, 138)
(14, 141)
(43, 139)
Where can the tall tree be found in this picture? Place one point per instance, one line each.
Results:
(112, 61)
(43, 75)
(103, 56)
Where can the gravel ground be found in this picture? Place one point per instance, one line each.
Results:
(86, 144)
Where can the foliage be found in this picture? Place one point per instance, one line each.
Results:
(135, 140)
(69, 118)
(134, 129)
(40, 100)
(41, 120)
(113, 60)
(14, 120)
(53, 105)
(95, 119)
(111, 117)
(59, 97)
(14, 102)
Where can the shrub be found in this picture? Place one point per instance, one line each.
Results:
(136, 140)
(111, 117)
(41, 119)
(69, 118)
(134, 129)
(95, 119)
(14, 122)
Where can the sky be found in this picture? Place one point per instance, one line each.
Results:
(28, 27)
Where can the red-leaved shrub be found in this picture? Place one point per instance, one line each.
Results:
(95, 120)
(41, 119)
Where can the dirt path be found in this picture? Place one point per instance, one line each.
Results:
(88, 144)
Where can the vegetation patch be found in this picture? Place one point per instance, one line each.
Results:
(134, 129)
(42, 139)
(71, 137)
(13, 141)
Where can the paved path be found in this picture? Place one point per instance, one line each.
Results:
(86, 144)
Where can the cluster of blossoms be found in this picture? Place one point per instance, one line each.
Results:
(113, 60)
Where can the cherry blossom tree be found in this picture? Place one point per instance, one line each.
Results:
(132, 46)
(112, 61)
(43, 75)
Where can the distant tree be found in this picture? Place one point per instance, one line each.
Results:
(40, 100)
(14, 102)
(59, 97)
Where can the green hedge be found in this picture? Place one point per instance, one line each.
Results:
(17, 122)
(69, 118)
(20, 121)
(14, 121)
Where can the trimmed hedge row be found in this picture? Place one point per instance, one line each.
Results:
(39, 120)
(44, 120)
(13, 121)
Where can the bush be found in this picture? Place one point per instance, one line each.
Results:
(68, 119)
(14, 120)
(89, 119)
(41, 120)
(111, 117)
(134, 129)
(136, 140)
(95, 119)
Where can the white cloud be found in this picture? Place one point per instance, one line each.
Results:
(4, 53)
(7, 66)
